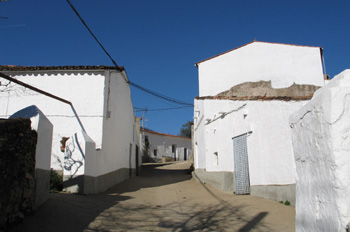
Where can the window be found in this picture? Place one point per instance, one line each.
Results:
(155, 152)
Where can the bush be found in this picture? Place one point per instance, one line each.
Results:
(56, 181)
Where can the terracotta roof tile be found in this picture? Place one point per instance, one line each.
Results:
(67, 68)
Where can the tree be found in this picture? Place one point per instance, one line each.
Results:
(185, 130)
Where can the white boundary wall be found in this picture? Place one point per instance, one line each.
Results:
(322, 155)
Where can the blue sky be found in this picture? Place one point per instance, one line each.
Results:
(159, 41)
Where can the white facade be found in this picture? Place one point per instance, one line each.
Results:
(101, 98)
(264, 119)
(165, 146)
(320, 133)
(283, 64)
(269, 143)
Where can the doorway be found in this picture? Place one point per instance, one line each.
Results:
(241, 165)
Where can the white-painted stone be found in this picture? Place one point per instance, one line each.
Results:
(320, 134)
(283, 64)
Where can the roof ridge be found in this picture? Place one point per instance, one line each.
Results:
(254, 41)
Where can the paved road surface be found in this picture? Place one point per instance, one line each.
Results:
(163, 198)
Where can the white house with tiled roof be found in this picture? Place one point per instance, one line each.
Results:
(160, 147)
(99, 151)
(242, 137)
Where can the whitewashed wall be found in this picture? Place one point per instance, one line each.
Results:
(282, 64)
(270, 150)
(199, 135)
(119, 130)
(102, 100)
(322, 154)
(163, 144)
(84, 90)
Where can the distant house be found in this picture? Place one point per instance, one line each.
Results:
(100, 151)
(242, 138)
(159, 147)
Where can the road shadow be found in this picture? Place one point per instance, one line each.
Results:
(153, 175)
(139, 217)
(67, 212)
(110, 211)
(74, 212)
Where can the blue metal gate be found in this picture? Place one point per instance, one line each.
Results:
(241, 165)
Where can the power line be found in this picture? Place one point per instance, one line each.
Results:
(173, 100)
(137, 109)
(82, 20)
(160, 95)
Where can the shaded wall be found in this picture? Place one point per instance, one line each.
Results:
(44, 129)
(17, 170)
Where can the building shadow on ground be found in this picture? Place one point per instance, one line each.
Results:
(109, 212)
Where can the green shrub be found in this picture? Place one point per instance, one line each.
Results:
(56, 181)
(287, 202)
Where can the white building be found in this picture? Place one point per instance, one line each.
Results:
(159, 147)
(242, 139)
(101, 99)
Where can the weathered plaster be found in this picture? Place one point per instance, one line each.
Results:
(264, 88)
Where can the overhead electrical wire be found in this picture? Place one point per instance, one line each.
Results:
(137, 109)
(162, 96)
(82, 20)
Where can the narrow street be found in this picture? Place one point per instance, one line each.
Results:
(163, 198)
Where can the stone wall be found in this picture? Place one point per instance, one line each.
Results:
(17, 169)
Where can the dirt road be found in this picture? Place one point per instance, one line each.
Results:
(163, 198)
